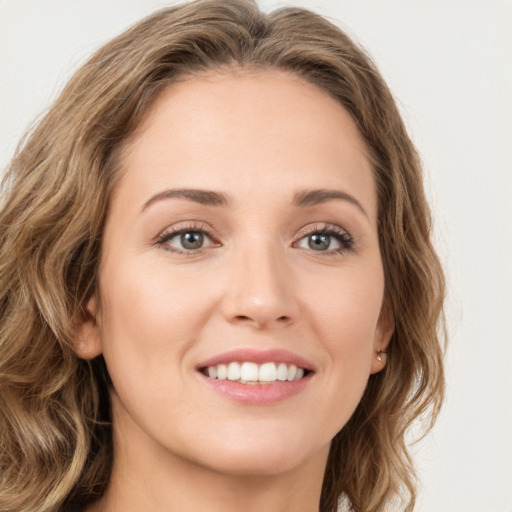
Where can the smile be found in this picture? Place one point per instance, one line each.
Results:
(252, 373)
(257, 377)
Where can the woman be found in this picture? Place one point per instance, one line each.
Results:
(218, 286)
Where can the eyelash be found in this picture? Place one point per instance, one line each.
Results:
(170, 233)
(345, 240)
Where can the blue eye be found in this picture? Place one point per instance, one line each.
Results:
(191, 240)
(328, 239)
(319, 242)
(185, 240)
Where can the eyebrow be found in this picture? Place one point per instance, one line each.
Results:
(213, 198)
(314, 197)
(205, 197)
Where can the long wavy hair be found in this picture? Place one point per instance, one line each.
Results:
(55, 426)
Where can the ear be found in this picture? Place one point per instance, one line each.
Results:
(383, 332)
(87, 342)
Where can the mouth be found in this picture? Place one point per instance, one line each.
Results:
(257, 377)
(249, 372)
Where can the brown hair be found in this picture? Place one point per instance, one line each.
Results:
(55, 430)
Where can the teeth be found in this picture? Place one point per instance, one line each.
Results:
(248, 372)
(282, 372)
(268, 372)
(292, 371)
(233, 371)
(222, 371)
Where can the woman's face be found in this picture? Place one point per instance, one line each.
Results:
(242, 237)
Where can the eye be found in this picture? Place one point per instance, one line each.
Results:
(191, 240)
(185, 240)
(329, 239)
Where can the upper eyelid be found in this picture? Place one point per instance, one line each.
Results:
(183, 227)
(194, 225)
(210, 232)
(324, 227)
(346, 239)
(163, 238)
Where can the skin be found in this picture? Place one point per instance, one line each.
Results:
(259, 138)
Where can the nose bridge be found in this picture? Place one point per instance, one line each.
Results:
(260, 290)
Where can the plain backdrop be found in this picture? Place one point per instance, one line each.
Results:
(449, 64)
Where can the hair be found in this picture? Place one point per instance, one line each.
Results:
(56, 444)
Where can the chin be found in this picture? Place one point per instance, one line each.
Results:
(253, 465)
(260, 454)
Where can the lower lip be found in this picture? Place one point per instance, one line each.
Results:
(257, 394)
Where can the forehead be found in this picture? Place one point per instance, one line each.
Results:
(239, 130)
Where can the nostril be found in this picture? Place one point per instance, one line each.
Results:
(281, 320)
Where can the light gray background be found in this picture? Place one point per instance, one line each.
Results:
(449, 63)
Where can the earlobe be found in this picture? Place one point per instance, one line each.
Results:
(383, 333)
(87, 341)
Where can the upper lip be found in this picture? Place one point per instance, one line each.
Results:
(257, 356)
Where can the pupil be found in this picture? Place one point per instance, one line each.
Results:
(192, 240)
(319, 242)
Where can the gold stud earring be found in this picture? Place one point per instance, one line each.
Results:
(379, 355)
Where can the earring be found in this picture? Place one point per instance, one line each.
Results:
(379, 355)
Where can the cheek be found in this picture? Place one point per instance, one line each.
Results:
(345, 317)
(151, 318)
(347, 307)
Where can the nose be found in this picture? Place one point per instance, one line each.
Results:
(260, 292)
